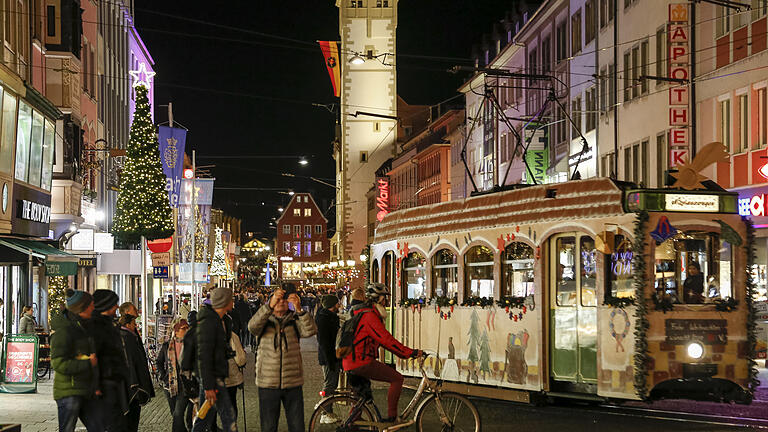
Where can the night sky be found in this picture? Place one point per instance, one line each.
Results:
(241, 93)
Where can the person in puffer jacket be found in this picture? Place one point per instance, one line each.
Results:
(279, 373)
(369, 336)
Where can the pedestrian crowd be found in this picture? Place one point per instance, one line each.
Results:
(103, 378)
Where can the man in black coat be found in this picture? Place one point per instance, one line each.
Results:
(213, 353)
(327, 321)
(243, 313)
(112, 360)
(140, 387)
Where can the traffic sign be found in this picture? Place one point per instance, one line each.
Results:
(677, 156)
(160, 245)
(162, 259)
(160, 272)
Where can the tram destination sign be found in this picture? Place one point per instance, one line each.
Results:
(660, 200)
(706, 331)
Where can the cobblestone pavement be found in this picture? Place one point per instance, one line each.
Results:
(37, 412)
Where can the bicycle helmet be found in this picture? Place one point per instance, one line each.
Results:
(374, 291)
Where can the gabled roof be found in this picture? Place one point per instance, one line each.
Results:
(293, 203)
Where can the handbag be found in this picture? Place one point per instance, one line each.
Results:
(190, 386)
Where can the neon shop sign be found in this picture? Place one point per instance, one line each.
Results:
(382, 198)
(752, 206)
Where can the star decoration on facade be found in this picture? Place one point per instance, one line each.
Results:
(142, 77)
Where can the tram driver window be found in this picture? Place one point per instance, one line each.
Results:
(619, 273)
(517, 270)
(478, 268)
(414, 276)
(565, 271)
(694, 267)
(445, 273)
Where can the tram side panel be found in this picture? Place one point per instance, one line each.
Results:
(616, 348)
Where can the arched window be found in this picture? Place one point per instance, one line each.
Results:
(445, 273)
(517, 270)
(375, 271)
(414, 276)
(478, 272)
(386, 267)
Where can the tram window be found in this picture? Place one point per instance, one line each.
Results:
(414, 277)
(478, 268)
(694, 267)
(386, 264)
(589, 262)
(564, 273)
(517, 270)
(445, 273)
(375, 271)
(619, 274)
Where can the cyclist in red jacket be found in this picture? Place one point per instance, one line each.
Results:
(371, 334)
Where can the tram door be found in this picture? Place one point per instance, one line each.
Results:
(573, 268)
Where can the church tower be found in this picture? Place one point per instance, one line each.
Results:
(368, 121)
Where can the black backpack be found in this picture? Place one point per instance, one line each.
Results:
(345, 339)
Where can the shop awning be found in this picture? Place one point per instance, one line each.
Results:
(57, 262)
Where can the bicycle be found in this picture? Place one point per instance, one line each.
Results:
(432, 408)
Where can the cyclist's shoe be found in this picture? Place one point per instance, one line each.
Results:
(329, 418)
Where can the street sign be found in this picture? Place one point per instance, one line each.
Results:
(160, 272)
(160, 245)
(677, 156)
(162, 259)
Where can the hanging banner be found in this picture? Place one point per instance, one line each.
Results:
(20, 364)
(204, 191)
(331, 56)
(201, 272)
(172, 144)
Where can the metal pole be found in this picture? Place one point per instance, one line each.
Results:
(194, 230)
(144, 309)
(615, 78)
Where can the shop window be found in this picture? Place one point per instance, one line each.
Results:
(23, 137)
(375, 271)
(517, 270)
(619, 272)
(36, 149)
(478, 272)
(48, 150)
(6, 146)
(414, 276)
(445, 273)
(694, 267)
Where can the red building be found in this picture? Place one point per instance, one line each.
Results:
(302, 237)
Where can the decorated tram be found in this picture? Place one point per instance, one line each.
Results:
(591, 289)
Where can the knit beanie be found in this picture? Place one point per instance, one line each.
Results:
(104, 299)
(220, 297)
(330, 301)
(78, 301)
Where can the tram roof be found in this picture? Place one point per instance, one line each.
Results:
(579, 199)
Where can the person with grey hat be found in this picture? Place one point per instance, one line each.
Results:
(73, 357)
(328, 324)
(213, 352)
(112, 360)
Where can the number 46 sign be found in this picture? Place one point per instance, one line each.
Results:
(677, 156)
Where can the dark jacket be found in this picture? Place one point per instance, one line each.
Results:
(140, 386)
(242, 312)
(212, 347)
(109, 348)
(327, 328)
(70, 342)
(693, 288)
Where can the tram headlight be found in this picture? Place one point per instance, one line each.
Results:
(695, 350)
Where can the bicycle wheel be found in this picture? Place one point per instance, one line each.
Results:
(335, 414)
(460, 414)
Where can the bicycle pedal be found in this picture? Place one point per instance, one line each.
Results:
(399, 426)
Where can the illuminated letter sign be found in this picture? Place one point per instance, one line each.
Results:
(382, 198)
(679, 64)
(692, 203)
(752, 205)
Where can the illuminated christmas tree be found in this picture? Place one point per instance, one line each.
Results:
(142, 204)
(201, 239)
(219, 261)
(57, 293)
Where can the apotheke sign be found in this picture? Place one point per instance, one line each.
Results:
(34, 212)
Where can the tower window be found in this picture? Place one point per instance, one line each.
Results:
(363, 156)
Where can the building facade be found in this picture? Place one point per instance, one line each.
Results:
(302, 238)
(366, 135)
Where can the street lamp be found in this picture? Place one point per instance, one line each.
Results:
(303, 161)
(280, 209)
(356, 59)
(291, 193)
(363, 257)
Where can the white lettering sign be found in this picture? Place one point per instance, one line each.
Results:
(692, 203)
(35, 212)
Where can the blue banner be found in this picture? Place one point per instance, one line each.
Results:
(172, 143)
